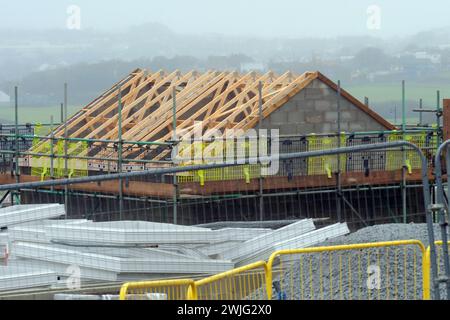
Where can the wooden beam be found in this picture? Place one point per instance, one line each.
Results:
(98, 103)
(159, 81)
(163, 115)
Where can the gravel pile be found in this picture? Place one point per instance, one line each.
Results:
(367, 274)
(387, 232)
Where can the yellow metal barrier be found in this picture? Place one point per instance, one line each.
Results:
(180, 289)
(363, 270)
(427, 269)
(399, 269)
(244, 283)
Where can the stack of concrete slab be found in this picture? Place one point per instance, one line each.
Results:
(13, 278)
(10, 216)
(297, 235)
(112, 251)
(307, 239)
(46, 252)
(4, 246)
(18, 276)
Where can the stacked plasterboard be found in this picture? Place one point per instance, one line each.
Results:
(31, 212)
(296, 235)
(46, 252)
(19, 276)
(13, 278)
(4, 246)
(142, 296)
(307, 239)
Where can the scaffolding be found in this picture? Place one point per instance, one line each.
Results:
(345, 181)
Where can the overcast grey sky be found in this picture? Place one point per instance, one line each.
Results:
(293, 18)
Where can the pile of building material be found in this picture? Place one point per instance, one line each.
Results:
(12, 278)
(400, 276)
(45, 252)
(25, 213)
(297, 235)
(20, 276)
(4, 246)
(94, 297)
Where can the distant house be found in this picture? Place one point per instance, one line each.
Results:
(253, 66)
(4, 98)
(432, 57)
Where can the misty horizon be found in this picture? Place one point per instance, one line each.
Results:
(261, 19)
(367, 45)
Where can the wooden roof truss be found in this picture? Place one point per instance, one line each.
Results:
(221, 100)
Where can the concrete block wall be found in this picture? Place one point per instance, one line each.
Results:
(314, 110)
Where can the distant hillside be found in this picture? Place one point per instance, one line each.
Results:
(87, 81)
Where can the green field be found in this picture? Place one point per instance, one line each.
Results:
(385, 97)
(386, 92)
(381, 95)
(35, 114)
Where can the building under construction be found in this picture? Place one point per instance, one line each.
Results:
(136, 125)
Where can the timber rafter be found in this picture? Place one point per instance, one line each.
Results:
(220, 100)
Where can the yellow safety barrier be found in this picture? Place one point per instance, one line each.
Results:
(363, 270)
(244, 283)
(193, 154)
(41, 165)
(397, 158)
(440, 266)
(180, 289)
(320, 165)
(325, 164)
(399, 269)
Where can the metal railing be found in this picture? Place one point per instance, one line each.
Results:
(157, 290)
(43, 145)
(223, 195)
(368, 271)
(441, 208)
(407, 260)
(247, 282)
(57, 186)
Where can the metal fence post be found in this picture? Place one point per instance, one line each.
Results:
(174, 138)
(66, 157)
(443, 208)
(338, 174)
(261, 189)
(403, 185)
(119, 150)
(16, 142)
(52, 155)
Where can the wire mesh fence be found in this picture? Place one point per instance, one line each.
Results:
(157, 290)
(147, 224)
(382, 271)
(300, 187)
(244, 283)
